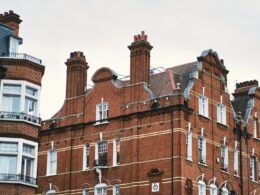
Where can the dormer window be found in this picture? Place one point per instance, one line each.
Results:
(102, 111)
(203, 105)
(13, 45)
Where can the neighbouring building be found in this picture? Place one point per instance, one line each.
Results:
(20, 89)
(159, 132)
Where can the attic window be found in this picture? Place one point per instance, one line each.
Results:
(102, 112)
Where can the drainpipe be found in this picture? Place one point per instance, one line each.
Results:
(241, 161)
(172, 187)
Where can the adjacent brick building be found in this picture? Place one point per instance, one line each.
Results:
(174, 131)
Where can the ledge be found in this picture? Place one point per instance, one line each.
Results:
(20, 183)
(204, 117)
(222, 171)
(256, 139)
(222, 125)
(202, 164)
(101, 122)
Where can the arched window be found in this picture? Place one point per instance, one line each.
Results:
(224, 191)
(85, 191)
(101, 189)
(213, 189)
(51, 192)
(201, 188)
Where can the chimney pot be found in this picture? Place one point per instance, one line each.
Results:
(140, 59)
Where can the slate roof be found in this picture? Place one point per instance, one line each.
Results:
(240, 105)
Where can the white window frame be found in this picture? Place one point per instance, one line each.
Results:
(213, 189)
(21, 154)
(98, 186)
(97, 151)
(224, 156)
(221, 114)
(51, 192)
(116, 189)
(23, 95)
(85, 191)
(189, 145)
(102, 111)
(255, 128)
(116, 161)
(86, 153)
(201, 187)
(252, 168)
(224, 191)
(203, 105)
(13, 45)
(235, 161)
(49, 168)
(202, 148)
(258, 169)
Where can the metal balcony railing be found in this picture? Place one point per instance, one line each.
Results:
(17, 178)
(19, 116)
(23, 56)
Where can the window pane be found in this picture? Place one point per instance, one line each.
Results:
(27, 168)
(31, 91)
(12, 88)
(11, 103)
(13, 45)
(52, 162)
(8, 164)
(30, 105)
(85, 191)
(27, 149)
(8, 147)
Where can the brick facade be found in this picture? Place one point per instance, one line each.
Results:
(151, 115)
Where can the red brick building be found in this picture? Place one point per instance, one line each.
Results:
(20, 88)
(174, 131)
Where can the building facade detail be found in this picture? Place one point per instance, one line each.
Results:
(173, 131)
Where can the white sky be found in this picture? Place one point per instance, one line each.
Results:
(102, 29)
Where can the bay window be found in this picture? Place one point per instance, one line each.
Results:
(18, 160)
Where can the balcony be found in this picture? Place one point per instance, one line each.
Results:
(101, 162)
(21, 56)
(20, 117)
(13, 178)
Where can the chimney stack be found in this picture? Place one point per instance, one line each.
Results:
(140, 59)
(11, 20)
(243, 88)
(76, 74)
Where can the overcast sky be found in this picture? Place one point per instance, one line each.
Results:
(102, 29)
